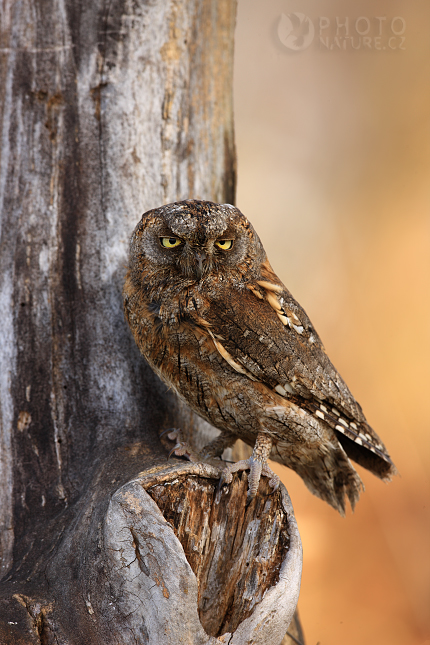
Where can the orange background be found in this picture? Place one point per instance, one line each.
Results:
(333, 167)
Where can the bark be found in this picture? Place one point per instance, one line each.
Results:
(110, 108)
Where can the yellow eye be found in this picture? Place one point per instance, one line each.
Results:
(170, 242)
(225, 245)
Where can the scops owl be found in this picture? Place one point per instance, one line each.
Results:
(218, 326)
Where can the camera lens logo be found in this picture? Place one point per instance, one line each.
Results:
(296, 31)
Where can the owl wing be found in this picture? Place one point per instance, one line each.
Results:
(263, 333)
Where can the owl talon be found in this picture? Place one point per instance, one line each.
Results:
(257, 465)
(273, 482)
(226, 477)
(256, 469)
(220, 483)
(173, 433)
(183, 450)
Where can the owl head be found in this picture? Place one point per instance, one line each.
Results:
(194, 239)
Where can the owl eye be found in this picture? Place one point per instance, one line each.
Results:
(170, 242)
(225, 245)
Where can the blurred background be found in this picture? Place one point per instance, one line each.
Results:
(332, 113)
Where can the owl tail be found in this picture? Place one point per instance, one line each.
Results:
(333, 479)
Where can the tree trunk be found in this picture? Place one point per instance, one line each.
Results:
(108, 109)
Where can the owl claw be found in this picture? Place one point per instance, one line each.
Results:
(226, 477)
(173, 433)
(220, 483)
(173, 451)
(181, 449)
(256, 469)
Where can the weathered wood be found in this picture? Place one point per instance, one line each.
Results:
(242, 562)
(107, 109)
(122, 573)
(235, 551)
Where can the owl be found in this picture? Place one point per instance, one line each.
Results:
(218, 326)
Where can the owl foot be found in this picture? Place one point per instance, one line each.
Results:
(257, 465)
(174, 434)
(181, 448)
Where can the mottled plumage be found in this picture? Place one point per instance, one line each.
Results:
(219, 327)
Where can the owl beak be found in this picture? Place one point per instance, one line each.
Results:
(200, 257)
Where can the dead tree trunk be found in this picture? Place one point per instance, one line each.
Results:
(109, 108)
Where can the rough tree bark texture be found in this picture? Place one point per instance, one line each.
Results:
(109, 108)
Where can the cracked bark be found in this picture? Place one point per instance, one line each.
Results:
(108, 109)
